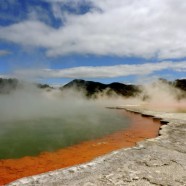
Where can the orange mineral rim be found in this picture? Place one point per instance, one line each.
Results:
(140, 128)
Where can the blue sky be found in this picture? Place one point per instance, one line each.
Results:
(55, 41)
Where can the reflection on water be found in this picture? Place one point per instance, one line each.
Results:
(31, 137)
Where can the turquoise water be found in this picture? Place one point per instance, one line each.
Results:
(31, 137)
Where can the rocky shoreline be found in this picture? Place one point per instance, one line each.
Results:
(158, 161)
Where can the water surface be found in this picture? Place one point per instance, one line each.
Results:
(30, 137)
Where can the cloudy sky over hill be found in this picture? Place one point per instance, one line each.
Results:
(55, 41)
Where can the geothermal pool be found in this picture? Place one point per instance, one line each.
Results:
(123, 130)
(31, 137)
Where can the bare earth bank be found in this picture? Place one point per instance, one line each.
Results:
(159, 161)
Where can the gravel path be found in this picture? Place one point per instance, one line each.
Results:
(160, 161)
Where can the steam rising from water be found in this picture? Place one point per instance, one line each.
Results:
(33, 121)
(164, 97)
(31, 102)
(34, 103)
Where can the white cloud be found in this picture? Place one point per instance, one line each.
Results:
(145, 28)
(4, 52)
(103, 71)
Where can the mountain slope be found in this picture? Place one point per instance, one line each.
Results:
(91, 88)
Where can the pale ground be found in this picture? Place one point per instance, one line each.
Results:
(160, 161)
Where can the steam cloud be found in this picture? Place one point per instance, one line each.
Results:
(33, 120)
(49, 120)
(30, 102)
(163, 97)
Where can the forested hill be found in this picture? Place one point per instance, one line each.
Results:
(91, 88)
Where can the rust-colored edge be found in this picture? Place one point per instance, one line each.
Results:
(140, 128)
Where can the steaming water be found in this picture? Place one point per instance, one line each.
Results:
(33, 121)
(30, 137)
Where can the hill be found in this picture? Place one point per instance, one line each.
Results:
(92, 89)
(180, 83)
(8, 85)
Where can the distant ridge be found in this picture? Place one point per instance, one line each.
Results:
(180, 83)
(8, 85)
(92, 88)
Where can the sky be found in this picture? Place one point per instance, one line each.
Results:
(129, 41)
